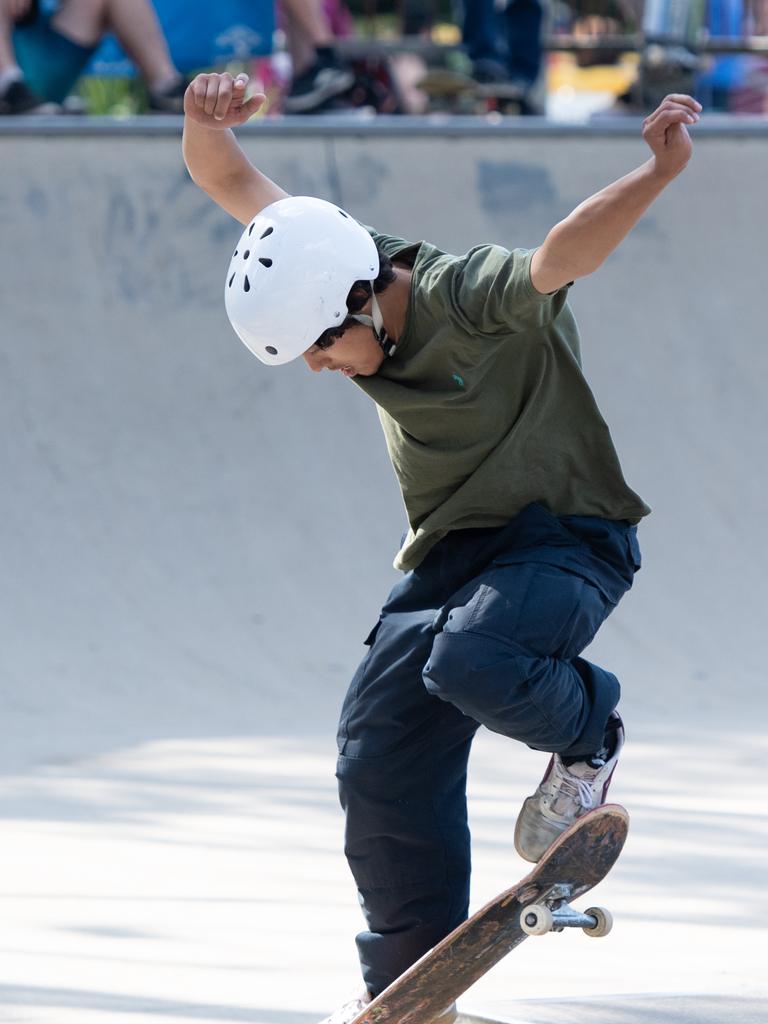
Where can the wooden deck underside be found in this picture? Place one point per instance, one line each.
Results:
(580, 858)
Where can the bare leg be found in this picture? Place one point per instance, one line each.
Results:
(318, 74)
(309, 17)
(7, 56)
(302, 49)
(135, 24)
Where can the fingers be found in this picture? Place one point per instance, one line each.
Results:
(676, 108)
(231, 94)
(218, 96)
(197, 89)
(254, 104)
(663, 119)
(665, 132)
(211, 94)
(680, 97)
(223, 98)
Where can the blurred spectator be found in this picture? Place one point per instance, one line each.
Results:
(503, 41)
(318, 73)
(44, 51)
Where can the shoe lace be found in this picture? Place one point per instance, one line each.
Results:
(580, 789)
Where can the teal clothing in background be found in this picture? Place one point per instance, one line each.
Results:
(51, 63)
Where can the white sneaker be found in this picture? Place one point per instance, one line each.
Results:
(347, 1013)
(349, 1010)
(566, 793)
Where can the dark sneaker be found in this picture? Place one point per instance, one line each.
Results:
(169, 100)
(18, 98)
(487, 70)
(319, 83)
(567, 791)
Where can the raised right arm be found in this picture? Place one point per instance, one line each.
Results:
(213, 105)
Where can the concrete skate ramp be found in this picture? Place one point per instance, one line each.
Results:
(193, 544)
(193, 547)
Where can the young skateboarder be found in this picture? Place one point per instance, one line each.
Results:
(522, 531)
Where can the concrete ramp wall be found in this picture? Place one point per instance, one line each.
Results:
(193, 544)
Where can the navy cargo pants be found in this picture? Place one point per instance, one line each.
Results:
(486, 631)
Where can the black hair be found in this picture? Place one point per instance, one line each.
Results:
(357, 297)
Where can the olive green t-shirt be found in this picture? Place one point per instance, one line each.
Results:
(484, 405)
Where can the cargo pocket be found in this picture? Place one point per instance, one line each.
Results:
(372, 635)
(539, 608)
(635, 558)
(353, 693)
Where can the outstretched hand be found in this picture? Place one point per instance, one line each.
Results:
(665, 132)
(218, 101)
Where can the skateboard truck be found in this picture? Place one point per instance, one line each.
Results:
(555, 913)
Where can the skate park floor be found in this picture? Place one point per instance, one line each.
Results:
(193, 549)
(203, 881)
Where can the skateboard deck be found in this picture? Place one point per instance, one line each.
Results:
(455, 92)
(579, 859)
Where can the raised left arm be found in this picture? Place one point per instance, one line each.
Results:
(578, 245)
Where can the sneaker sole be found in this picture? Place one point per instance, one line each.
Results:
(528, 854)
(41, 110)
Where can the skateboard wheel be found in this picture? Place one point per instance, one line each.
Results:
(536, 919)
(603, 922)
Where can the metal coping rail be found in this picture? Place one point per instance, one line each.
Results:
(432, 126)
(627, 43)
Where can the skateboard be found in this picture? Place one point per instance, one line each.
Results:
(579, 859)
(453, 92)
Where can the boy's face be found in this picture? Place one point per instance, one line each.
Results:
(355, 352)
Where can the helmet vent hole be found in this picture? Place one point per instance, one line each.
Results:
(231, 280)
(265, 262)
(272, 350)
(344, 214)
(250, 229)
(236, 251)
(267, 232)
(246, 254)
(246, 284)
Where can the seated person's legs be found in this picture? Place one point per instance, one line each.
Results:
(138, 31)
(54, 50)
(480, 36)
(7, 56)
(318, 74)
(16, 94)
(524, 42)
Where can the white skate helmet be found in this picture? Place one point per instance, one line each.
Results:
(291, 273)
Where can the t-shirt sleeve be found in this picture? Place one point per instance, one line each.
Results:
(493, 291)
(390, 245)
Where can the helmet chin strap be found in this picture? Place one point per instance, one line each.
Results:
(376, 323)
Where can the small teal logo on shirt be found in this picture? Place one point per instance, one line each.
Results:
(459, 380)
